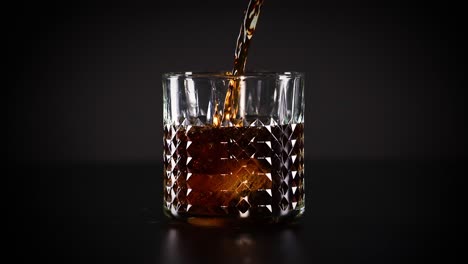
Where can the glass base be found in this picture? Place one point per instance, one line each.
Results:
(207, 221)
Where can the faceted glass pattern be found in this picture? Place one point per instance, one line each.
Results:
(254, 171)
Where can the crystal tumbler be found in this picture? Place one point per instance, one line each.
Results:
(246, 169)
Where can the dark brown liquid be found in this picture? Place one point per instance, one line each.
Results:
(234, 171)
(247, 30)
(227, 171)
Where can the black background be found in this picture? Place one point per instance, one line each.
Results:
(384, 128)
(384, 79)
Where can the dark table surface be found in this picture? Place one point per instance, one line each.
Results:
(356, 211)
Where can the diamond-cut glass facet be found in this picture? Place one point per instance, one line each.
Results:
(243, 205)
(246, 171)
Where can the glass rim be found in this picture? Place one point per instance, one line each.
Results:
(220, 74)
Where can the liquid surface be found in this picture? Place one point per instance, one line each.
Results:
(228, 171)
(247, 30)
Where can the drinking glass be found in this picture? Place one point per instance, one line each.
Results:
(248, 169)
